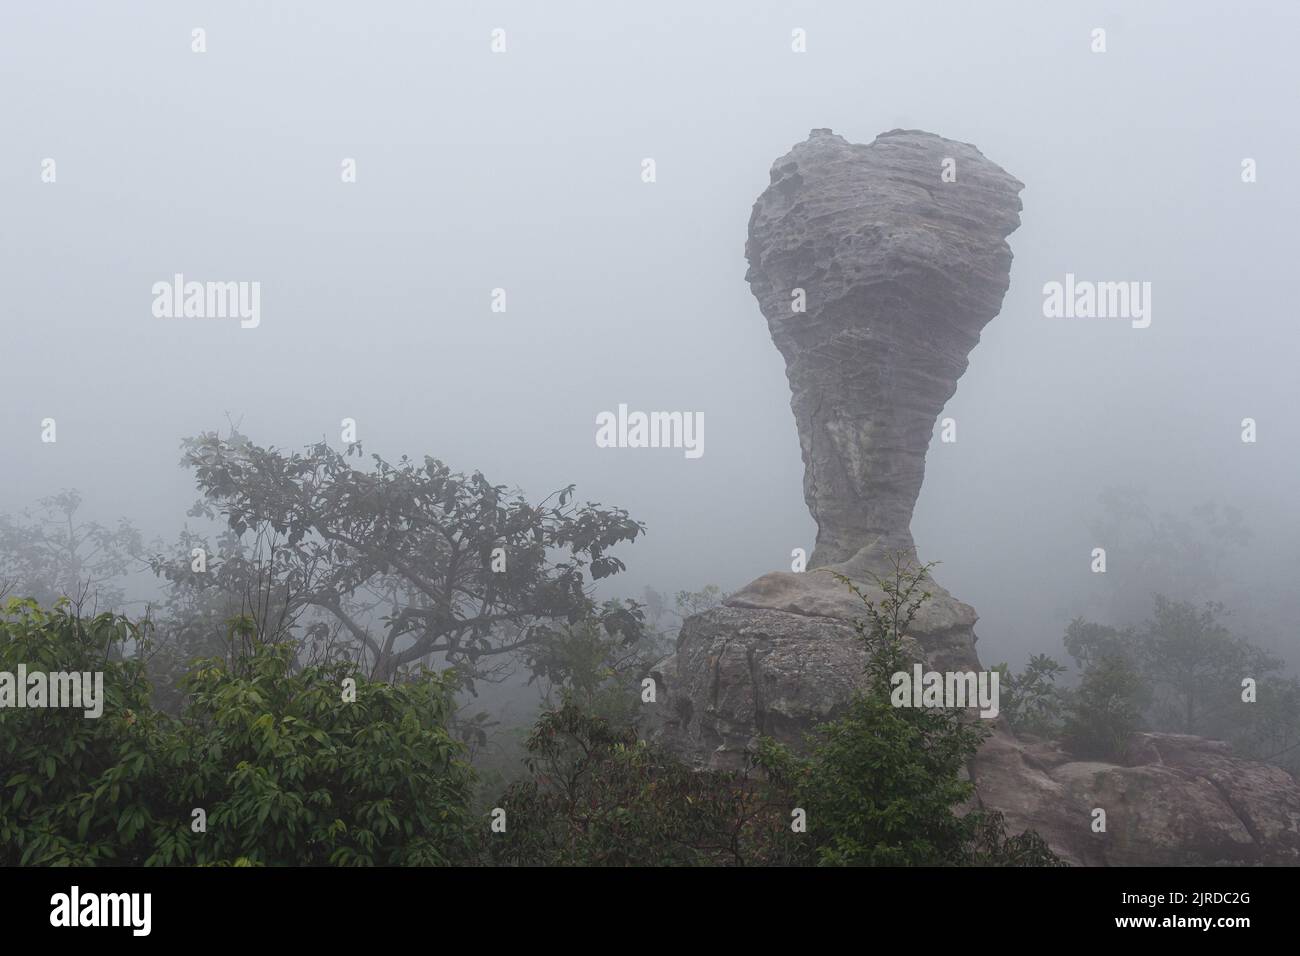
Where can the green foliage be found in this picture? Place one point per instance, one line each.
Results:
(1194, 667)
(881, 789)
(1087, 642)
(694, 602)
(1106, 708)
(1191, 665)
(1181, 671)
(884, 785)
(286, 770)
(598, 796)
(595, 665)
(47, 553)
(74, 790)
(378, 780)
(289, 772)
(401, 563)
(1031, 701)
(989, 844)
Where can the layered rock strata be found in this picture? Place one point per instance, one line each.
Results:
(876, 267)
(899, 271)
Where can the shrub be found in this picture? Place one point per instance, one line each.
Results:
(1105, 710)
(885, 785)
(599, 796)
(284, 769)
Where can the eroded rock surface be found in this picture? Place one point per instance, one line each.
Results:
(781, 656)
(901, 271)
(1176, 801)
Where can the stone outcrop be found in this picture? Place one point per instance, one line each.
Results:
(781, 656)
(1175, 801)
(900, 270)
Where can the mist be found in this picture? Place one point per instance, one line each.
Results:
(522, 172)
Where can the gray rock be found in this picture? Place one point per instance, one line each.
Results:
(901, 272)
(1177, 801)
(781, 656)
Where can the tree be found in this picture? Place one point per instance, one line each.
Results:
(293, 770)
(1106, 708)
(1185, 556)
(406, 563)
(48, 552)
(667, 621)
(1270, 728)
(599, 796)
(285, 766)
(595, 664)
(74, 790)
(1181, 671)
(244, 579)
(883, 785)
(1087, 642)
(1194, 666)
(696, 602)
(276, 764)
(1031, 701)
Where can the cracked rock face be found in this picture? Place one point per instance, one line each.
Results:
(899, 271)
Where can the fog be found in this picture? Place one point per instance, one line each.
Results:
(522, 171)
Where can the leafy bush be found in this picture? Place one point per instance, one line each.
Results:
(1105, 710)
(285, 770)
(75, 790)
(1181, 671)
(1031, 701)
(885, 785)
(597, 662)
(291, 773)
(598, 796)
(290, 769)
(881, 786)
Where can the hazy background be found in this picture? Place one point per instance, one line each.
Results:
(522, 170)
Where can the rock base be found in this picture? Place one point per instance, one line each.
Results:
(783, 655)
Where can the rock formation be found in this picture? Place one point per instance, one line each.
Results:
(1175, 801)
(900, 271)
(900, 267)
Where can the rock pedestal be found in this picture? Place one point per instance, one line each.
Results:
(876, 267)
(899, 271)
